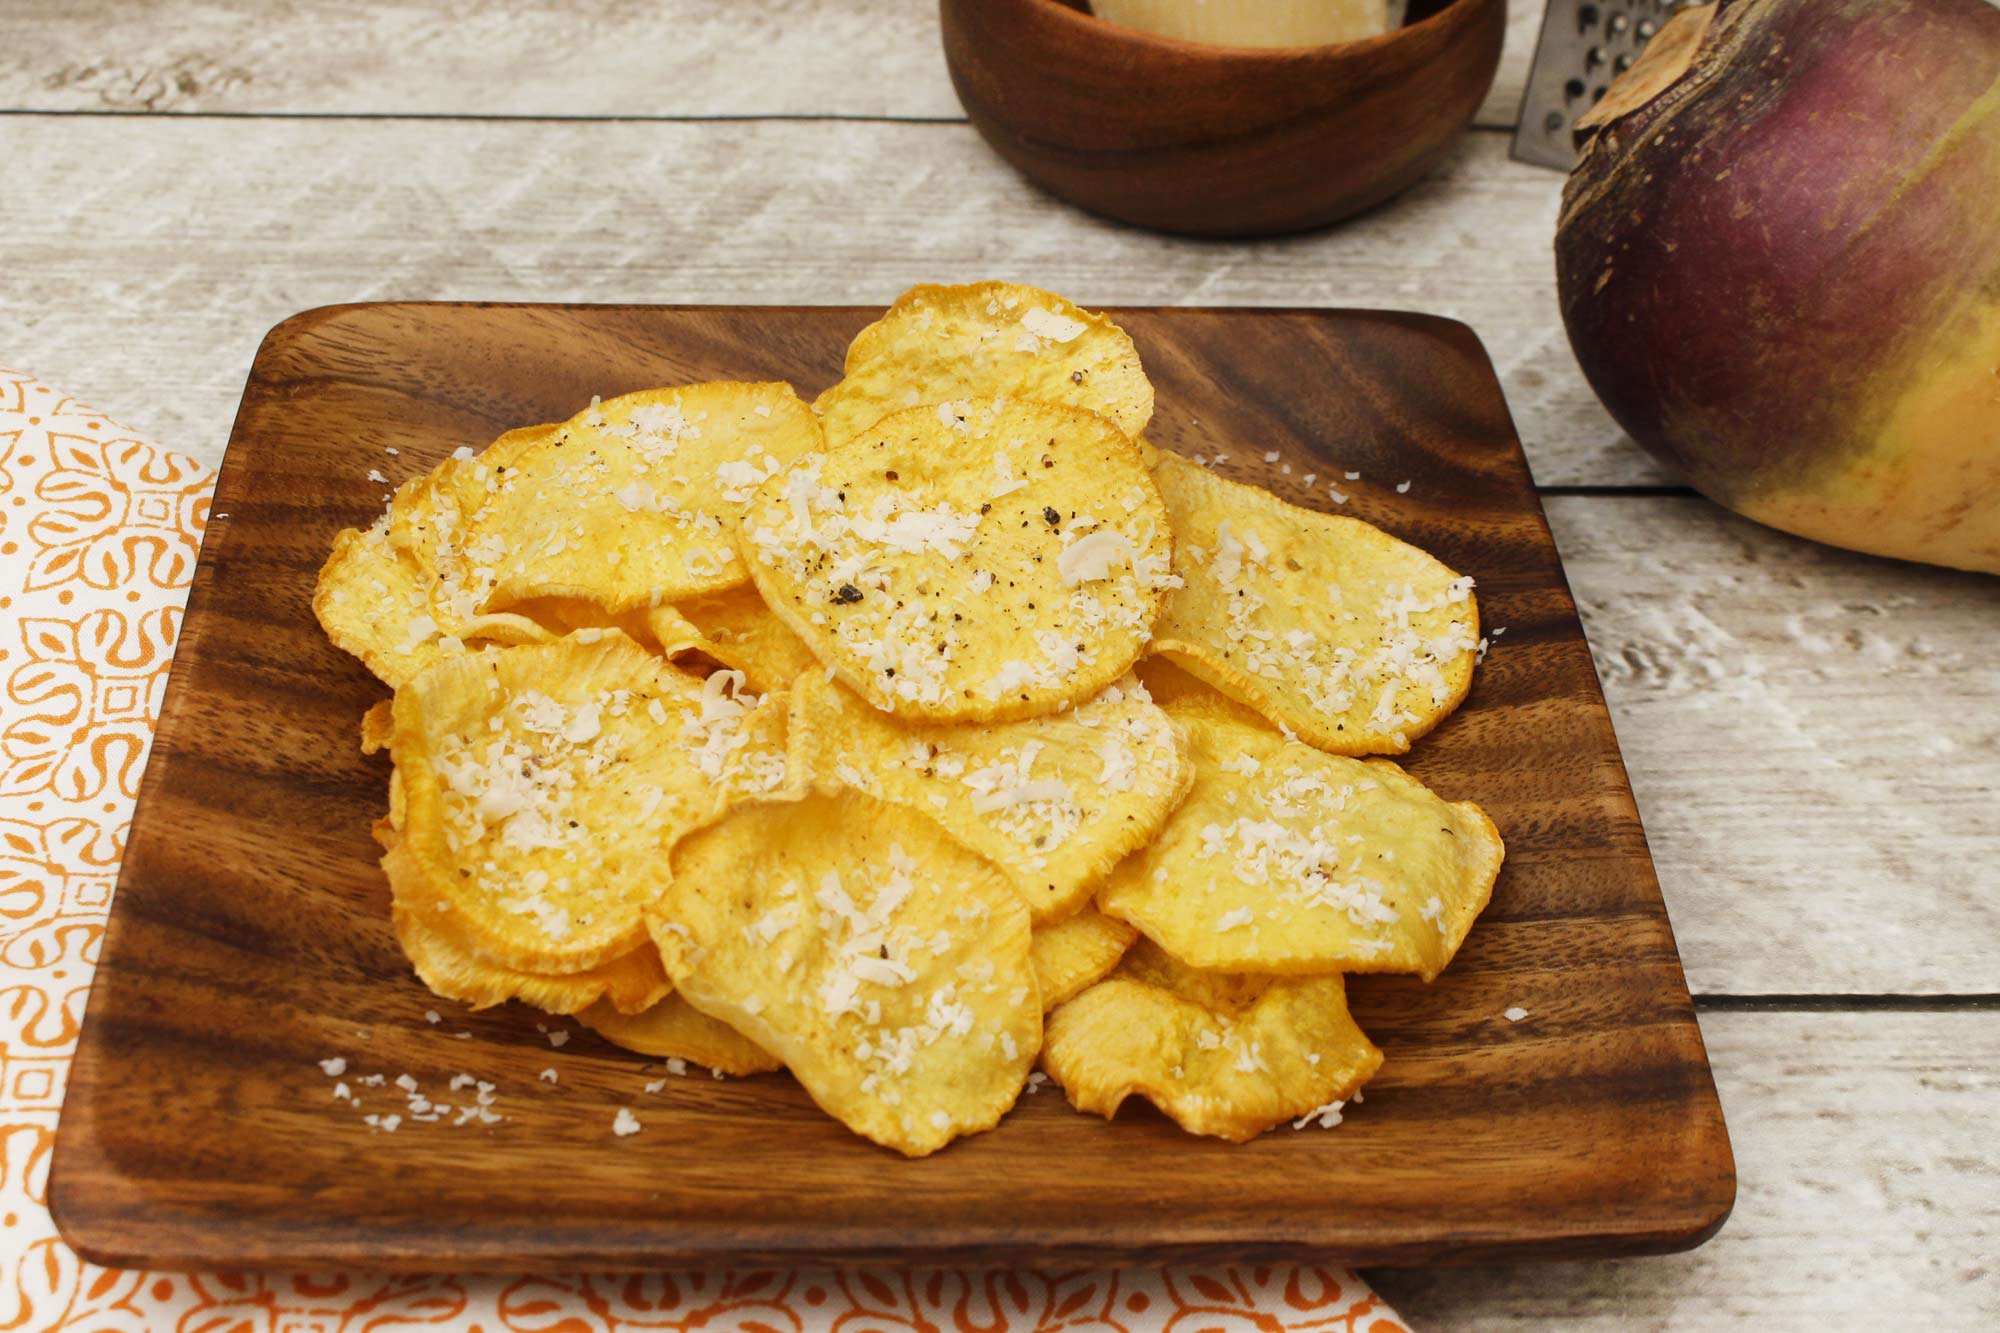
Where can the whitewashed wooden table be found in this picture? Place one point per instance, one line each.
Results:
(1814, 737)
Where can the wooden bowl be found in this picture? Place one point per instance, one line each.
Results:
(1218, 140)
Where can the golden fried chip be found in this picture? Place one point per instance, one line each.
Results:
(676, 637)
(739, 631)
(542, 784)
(633, 982)
(1357, 642)
(1173, 687)
(1077, 952)
(385, 593)
(659, 629)
(673, 1029)
(389, 828)
(427, 519)
(960, 571)
(374, 602)
(1285, 859)
(427, 515)
(1054, 802)
(885, 965)
(987, 340)
(1225, 1055)
(378, 725)
(629, 505)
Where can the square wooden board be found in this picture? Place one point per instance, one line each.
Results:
(250, 934)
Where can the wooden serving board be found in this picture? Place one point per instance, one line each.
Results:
(250, 935)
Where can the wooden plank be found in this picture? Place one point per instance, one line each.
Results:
(250, 900)
(1814, 743)
(1868, 1191)
(145, 281)
(450, 57)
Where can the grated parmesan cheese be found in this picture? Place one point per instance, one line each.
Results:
(1092, 557)
(1325, 1116)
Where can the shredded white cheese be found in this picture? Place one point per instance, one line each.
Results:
(1326, 1117)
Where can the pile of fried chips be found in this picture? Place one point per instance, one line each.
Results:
(915, 737)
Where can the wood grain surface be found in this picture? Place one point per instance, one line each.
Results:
(1869, 1191)
(151, 237)
(249, 936)
(1218, 141)
(1814, 737)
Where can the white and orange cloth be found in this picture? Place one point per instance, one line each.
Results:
(99, 530)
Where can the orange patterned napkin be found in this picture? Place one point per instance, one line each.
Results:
(99, 529)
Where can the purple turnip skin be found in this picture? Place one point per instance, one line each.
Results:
(1782, 273)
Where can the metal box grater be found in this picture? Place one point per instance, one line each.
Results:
(1585, 44)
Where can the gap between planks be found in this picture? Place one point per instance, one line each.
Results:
(1855, 1004)
(537, 118)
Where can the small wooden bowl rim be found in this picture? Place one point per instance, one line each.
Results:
(1105, 30)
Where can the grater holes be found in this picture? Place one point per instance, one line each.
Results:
(1584, 46)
